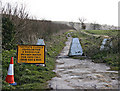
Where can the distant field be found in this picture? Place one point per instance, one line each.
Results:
(103, 32)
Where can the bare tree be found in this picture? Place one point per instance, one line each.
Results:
(82, 20)
(71, 24)
(27, 29)
(19, 18)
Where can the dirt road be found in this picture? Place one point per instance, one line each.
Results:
(95, 35)
(82, 74)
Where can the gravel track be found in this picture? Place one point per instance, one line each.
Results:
(82, 74)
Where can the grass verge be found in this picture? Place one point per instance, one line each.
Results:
(29, 76)
(111, 33)
(91, 47)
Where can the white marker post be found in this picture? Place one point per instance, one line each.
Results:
(41, 42)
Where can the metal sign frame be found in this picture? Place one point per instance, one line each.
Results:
(31, 63)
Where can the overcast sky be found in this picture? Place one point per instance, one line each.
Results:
(100, 11)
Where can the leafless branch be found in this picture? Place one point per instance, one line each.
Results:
(82, 20)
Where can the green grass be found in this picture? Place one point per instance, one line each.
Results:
(91, 47)
(110, 33)
(29, 76)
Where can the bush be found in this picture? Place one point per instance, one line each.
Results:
(7, 33)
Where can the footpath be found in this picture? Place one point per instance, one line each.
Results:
(82, 74)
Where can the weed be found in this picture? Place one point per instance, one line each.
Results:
(91, 47)
(29, 76)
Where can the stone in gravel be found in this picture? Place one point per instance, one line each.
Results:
(103, 80)
(107, 85)
(99, 76)
(113, 78)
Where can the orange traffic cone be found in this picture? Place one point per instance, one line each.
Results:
(10, 75)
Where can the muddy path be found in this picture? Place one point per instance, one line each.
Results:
(82, 74)
(96, 35)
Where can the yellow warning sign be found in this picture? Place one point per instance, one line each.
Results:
(31, 54)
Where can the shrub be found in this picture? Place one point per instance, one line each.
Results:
(7, 33)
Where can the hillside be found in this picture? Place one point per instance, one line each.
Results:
(89, 26)
(26, 31)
